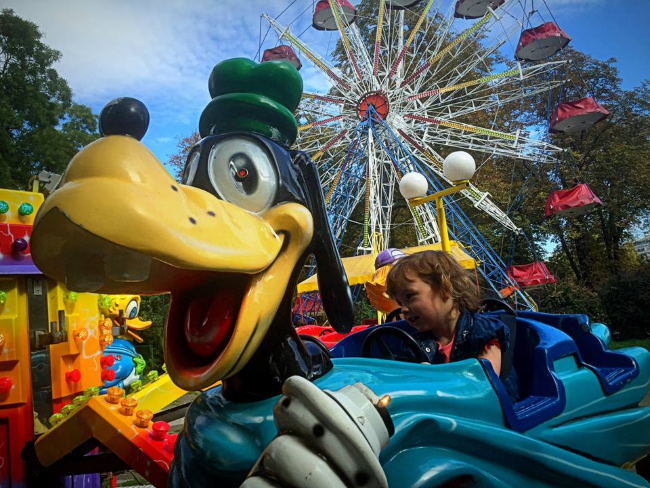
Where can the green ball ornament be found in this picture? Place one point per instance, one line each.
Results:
(25, 209)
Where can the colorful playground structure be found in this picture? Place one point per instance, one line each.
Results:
(367, 412)
(58, 350)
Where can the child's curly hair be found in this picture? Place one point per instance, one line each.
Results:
(442, 272)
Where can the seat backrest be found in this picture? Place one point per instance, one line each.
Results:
(507, 357)
(526, 340)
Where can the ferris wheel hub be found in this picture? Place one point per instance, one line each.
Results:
(378, 100)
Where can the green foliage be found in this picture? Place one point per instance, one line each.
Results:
(41, 128)
(626, 297)
(178, 159)
(611, 157)
(645, 343)
(363, 309)
(154, 308)
(567, 297)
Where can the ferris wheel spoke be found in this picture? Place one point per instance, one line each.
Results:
(328, 145)
(479, 199)
(480, 26)
(324, 98)
(318, 112)
(344, 38)
(472, 89)
(380, 28)
(312, 142)
(458, 108)
(445, 89)
(427, 50)
(414, 31)
(465, 136)
(317, 61)
(320, 122)
(451, 72)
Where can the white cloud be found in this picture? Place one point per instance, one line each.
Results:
(160, 52)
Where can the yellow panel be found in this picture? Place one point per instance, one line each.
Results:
(14, 353)
(14, 199)
(360, 269)
(81, 320)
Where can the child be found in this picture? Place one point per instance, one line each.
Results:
(440, 301)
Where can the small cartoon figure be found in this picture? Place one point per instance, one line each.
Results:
(122, 310)
(121, 365)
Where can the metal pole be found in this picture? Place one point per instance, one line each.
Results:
(442, 225)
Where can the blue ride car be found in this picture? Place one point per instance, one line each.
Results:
(577, 423)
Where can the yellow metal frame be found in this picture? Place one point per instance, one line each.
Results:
(440, 209)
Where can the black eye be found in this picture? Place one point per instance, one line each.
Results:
(242, 173)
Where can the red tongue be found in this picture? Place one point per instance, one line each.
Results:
(208, 321)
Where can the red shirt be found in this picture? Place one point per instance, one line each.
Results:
(445, 351)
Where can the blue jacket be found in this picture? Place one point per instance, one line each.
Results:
(473, 332)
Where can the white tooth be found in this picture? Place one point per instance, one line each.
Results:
(126, 266)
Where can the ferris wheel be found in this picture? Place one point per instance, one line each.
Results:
(416, 81)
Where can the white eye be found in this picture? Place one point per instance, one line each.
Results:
(242, 173)
(190, 169)
(131, 311)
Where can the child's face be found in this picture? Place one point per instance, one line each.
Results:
(424, 308)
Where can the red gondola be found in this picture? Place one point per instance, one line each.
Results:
(571, 203)
(401, 4)
(529, 275)
(474, 9)
(324, 17)
(569, 117)
(283, 53)
(541, 42)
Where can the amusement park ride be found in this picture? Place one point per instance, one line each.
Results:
(60, 349)
(235, 239)
(403, 96)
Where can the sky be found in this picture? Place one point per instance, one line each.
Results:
(162, 51)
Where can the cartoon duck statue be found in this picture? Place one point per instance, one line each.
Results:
(228, 244)
(121, 316)
(121, 364)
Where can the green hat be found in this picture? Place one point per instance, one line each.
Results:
(252, 97)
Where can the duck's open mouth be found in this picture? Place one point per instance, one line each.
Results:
(227, 269)
(201, 322)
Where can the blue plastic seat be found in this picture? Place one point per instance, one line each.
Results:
(614, 370)
(537, 347)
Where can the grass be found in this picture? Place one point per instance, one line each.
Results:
(630, 343)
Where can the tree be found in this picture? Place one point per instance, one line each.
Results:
(184, 146)
(41, 128)
(154, 308)
(610, 157)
